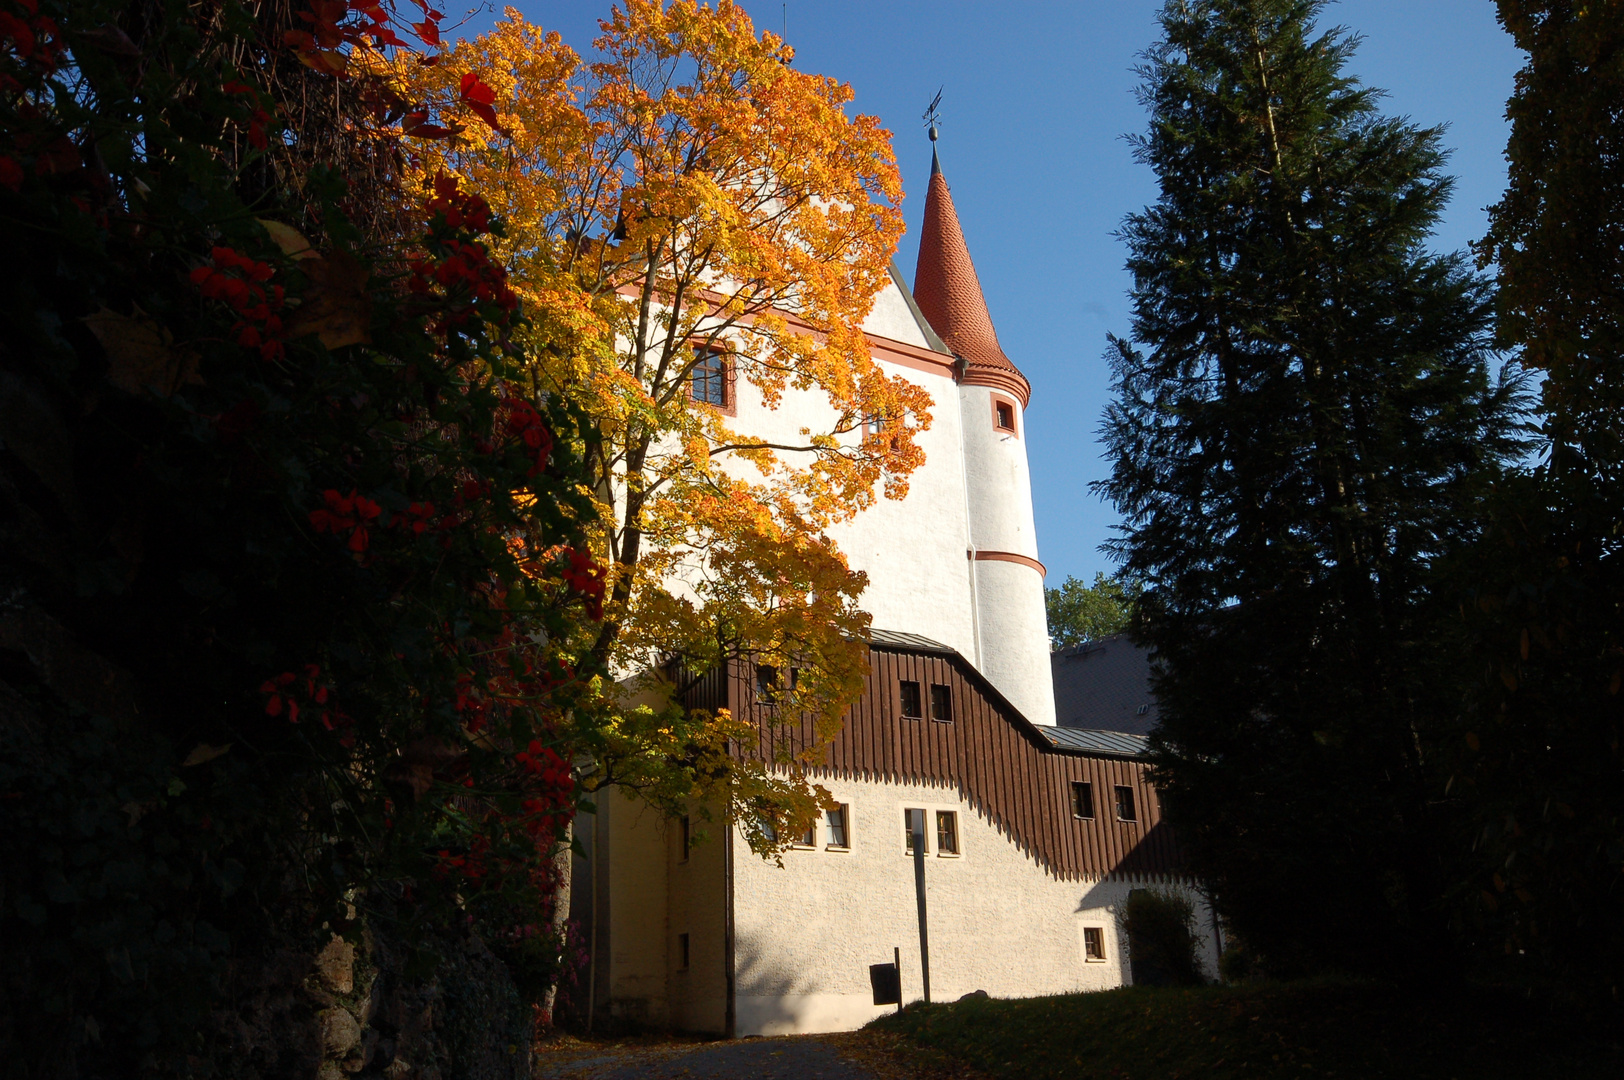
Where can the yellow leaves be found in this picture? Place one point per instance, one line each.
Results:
(289, 239)
(141, 357)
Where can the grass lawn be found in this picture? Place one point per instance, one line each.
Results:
(1262, 1032)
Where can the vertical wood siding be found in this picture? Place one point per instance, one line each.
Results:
(1003, 765)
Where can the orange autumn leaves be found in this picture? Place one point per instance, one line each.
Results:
(688, 190)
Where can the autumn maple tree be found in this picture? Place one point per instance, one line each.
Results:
(689, 198)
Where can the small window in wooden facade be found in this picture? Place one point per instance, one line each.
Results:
(1093, 943)
(941, 703)
(710, 380)
(1082, 799)
(913, 822)
(838, 835)
(682, 952)
(1124, 801)
(766, 684)
(685, 837)
(947, 832)
(911, 704)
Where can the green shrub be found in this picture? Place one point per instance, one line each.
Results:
(1159, 928)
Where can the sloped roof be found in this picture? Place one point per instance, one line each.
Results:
(899, 640)
(1097, 742)
(1104, 686)
(948, 291)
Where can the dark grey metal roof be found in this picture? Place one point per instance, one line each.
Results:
(898, 640)
(1104, 686)
(1096, 742)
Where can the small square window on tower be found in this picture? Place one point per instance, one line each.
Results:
(1003, 415)
(1082, 800)
(941, 703)
(911, 708)
(1124, 801)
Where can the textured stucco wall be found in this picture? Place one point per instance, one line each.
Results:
(635, 950)
(1014, 628)
(808, 931)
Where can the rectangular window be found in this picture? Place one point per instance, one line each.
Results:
(913, 822)
(768, 829)
(910, 701)
(810, 837)
(947, 832)
(766, 684)
(1093, 943)
(682, 952)
(1124, 799)
(707, 382)
(1005, 413)
(838, 836)
(941, 703)
(685, 836)
(1082, 800)
(873, 425)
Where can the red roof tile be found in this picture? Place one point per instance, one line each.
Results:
(949, 294)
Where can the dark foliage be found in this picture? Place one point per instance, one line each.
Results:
(185, 400)
(1304, 422)
(1160, 930)
(1535, 763)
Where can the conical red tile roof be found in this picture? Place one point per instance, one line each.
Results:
(949, 294)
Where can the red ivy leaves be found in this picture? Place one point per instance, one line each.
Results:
(292, 694)
(349, 515)
(585, 575)
(239, 282)
(525, 423)
(479, 98)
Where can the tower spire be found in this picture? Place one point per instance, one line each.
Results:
(949, 292)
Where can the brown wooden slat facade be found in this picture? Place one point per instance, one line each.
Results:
(1003, 765)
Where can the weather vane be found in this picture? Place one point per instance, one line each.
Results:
(933, 118)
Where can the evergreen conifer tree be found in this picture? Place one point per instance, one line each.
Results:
(1303, 421)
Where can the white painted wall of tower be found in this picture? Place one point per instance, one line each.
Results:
(1012, 626)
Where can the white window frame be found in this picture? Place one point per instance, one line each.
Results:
(1082, 943)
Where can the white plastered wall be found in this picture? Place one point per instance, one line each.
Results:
(807, 932)
(1014, 628)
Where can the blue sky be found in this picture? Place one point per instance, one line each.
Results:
(1035, 99)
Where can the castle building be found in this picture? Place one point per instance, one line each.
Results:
(1034, 834)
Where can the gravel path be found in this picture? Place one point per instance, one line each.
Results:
(802, 1058)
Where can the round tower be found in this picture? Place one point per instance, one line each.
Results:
(1012, 631)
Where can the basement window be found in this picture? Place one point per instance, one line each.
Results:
(1124, 803)
(947, 832)
(1082, 800)
(911, 709)
(941, 703)
(839, 836)
(1094, 944)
